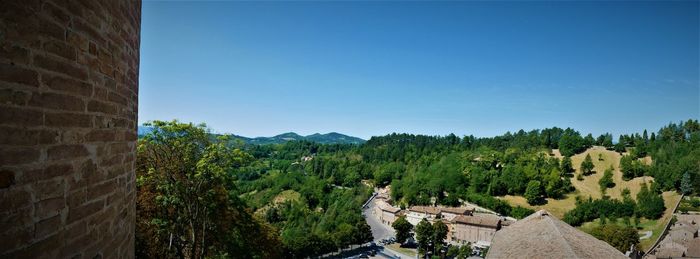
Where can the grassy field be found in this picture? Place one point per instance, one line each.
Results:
(407, 251)
(602, 159)
(288, 195)
(589, 186)
(655, 226)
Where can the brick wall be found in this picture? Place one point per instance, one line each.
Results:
(68, 107)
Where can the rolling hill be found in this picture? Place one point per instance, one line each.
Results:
(329, 138)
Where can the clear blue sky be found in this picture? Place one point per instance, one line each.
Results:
(372, 68)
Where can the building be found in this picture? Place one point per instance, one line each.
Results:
(681, 240)
(417, 213)
(69, 73)
(541, 235)
(386, 213)
(475, 228)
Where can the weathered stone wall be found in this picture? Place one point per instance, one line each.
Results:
(68, 107)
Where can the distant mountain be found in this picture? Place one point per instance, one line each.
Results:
(143, 130)
(329, 138)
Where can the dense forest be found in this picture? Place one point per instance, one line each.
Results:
(305, 198)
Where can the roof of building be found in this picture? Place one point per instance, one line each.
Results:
(693, 248)
(390, 209)
(486, 220)
(541, 235)
(455, 210)
(425, 209)
(669, 252)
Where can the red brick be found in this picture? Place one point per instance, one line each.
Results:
(77, 40)
(47, 227)
(15, 74)
(62, 67)
(7, 178)
(20, 116)
(52, 29)
(18, 218)
(13, 199)
(18, 155)
(56, 13)
(81, 212)
(18, 136)
(102, 189)
(67, 85)
(49, 208)
(67, 152)
(20, 237)
(61, 49)
(77, 198)
(14, 97)
(49, 189)
(101, 135)
(113, 97)
(57, 102)
(15, 54)
(68, 120)
(48, 172)
(103, 107)
(119, 148)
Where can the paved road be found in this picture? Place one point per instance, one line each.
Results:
(379, 230)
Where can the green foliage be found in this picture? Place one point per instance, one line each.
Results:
(686, 184)
(403, 229)
(607, 180)
(622, 238)
(572, 143)
(439, 232)
(588, 210)
(587, 165)
(186, 201)
(533, 193)
(424, 235)
(649, 203)
(567, 166)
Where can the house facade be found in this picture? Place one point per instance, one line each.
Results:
(475, 228)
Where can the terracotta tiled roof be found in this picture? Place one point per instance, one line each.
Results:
(693, 248)
(458, 211)
(486, 220)
(425, 209)
(541, 235)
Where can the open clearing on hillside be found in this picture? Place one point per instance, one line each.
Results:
(287, 195)
(589, 186)
(655, 226)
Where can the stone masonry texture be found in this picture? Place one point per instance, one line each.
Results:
(68, 113)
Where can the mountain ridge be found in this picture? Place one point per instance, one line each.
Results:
(327, 138)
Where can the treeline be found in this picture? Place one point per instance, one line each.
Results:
(246, 183)
(649, 204)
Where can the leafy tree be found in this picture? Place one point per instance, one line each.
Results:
(533, 193)
(566, 165)
(607, 180)
(587, 165)
(439, 232)
(649, 203)
(622, 238)
(403, 229)
(186, 204)
(686, 185)
(424, 235)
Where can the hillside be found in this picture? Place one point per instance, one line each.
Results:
(589, 186)
(329, 138)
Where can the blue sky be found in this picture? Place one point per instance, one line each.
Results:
(372, 68)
